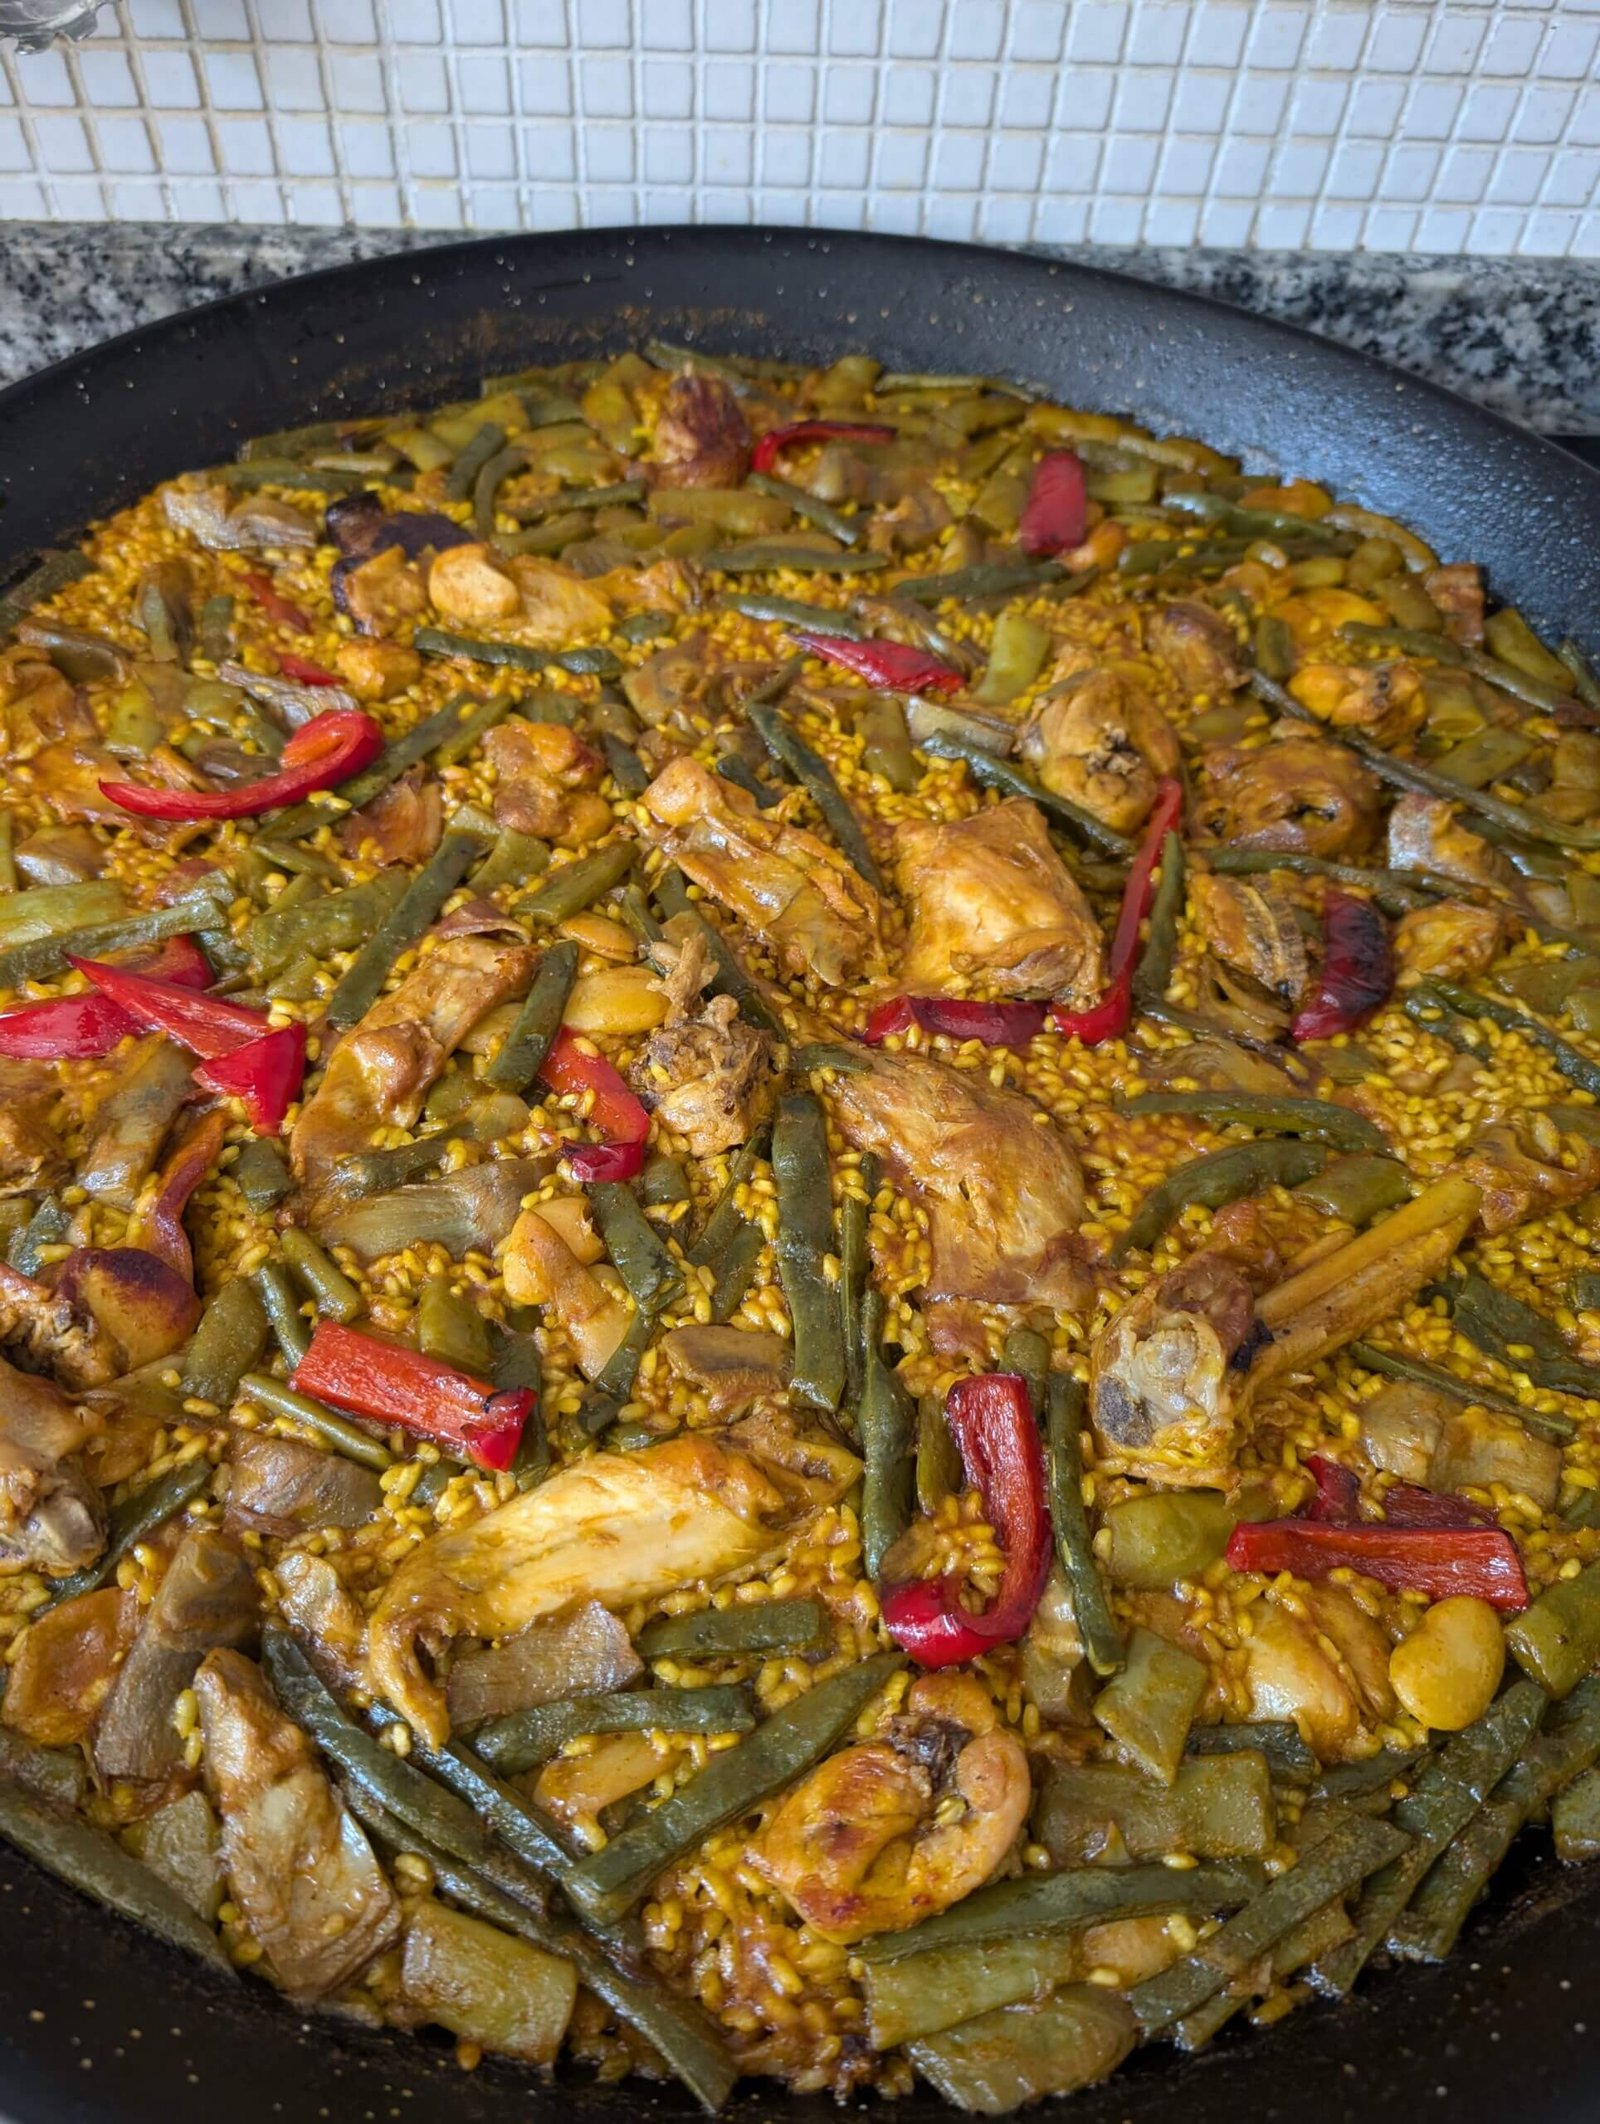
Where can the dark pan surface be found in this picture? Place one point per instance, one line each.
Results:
(101, 2023)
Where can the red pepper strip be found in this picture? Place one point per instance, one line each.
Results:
(206, 1025)
(1056, 513)
(1357, 968)
(1338, 1499)
(615, 1112)
(1405, 1505)
(179, 959)
(266, 1074)
(765, 454)
(1110, 1017)
(895, 666)
(329, 749)
(995, 1024)
(91, 1024)
(303, 671)
(992, 1422)
(274, 604)
(159, 1230)
(1438, 1561)
(389, 1383)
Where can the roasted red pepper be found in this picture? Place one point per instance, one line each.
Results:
(327, 750)
(895, 666)
(1438, 1561)
(765, 454)
(1357, 972)
(266, 1074)
(1110, 1017)
(274, 604)
(1338, 1501)
(91, 1024)
(389, 1383)
(206, 1025)
(1056, 513)
(995, 1024)
(992, 1422)
(303, 671)
(569, 1070)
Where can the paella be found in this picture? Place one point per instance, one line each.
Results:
(800, 1186)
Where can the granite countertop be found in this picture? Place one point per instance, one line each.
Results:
(1519, 335)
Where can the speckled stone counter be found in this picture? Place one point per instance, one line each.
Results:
(1520, 335)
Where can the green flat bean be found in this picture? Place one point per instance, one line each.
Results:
(49, 1225)
(513, 860)
(472, 728)
(524, 1739)
(1066, 1902)
(1323, 1120)
(1466, 1003)
(462, 477)
(762, 556)
(1289, 1759)
(886, 743)
(608, 1884)
(1149, 1706)
(450, 1327)
(1000, 774)
(1161, 939)
(844, 528)
(1027, 1353)
(726, 1217)
(1448, 1790)
(228, 1343)
(939, 1470)
(735, 1632)
(621, 1369)
(815, 776)
(538, 1021)
(340, 1432)
(1217, 1178)
(735, 770)
(132, 1520)
(399, 755)
(638, 1253)
(41, 958)
(320, 1276)
(1102, 1641)
(735, 1271)
(1584, 683)
(624, 765)
(94, 1863)
(514, 656)
(854, 1268)
(789, 612)
(966, 583)
(998, 2061)
(577, 885)
(1493, 1321)
(1217, 1807)
(1557, 1640)
(886, 1417)
(281, 1304)
(262, 1175)
(413, 914)
(805, 1236)
(1414, 1372)
(1358, 1187)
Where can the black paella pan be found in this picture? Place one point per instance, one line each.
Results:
(99, 2022)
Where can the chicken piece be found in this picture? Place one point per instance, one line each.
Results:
(1385, 702)
(278, 1486)
(1298, 794)
(731, 1366)
(1327, 1668)
(48, 1331)
(377, 670)
(298, 1866)
(585, 1652)
(402, 825)
(559, 609)
(1250, 926)
(1103, 744)
(383, 593)
(31, 1157)
(702, 438)
(150, 1083)
(789, 886)
(1198, 647)
(139, 1306)
(915, 521)
(325, 1616)
(546, 782)
(1425, 833)
(41, 706)
(382, 1068)
(206, 1600)
(1457, 590)
(617, 1528)
(1526, 1167)
(885, 1834)
(1162, 1372)
(65, 1664)
(999, 1180)
(989, 898)
(467, 585)
(707, 1074)
(669, 690)
(541, 1269)
(1452, 938)
(51, 1515)
(214, 518)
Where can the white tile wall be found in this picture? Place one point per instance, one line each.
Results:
(1437, 125)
